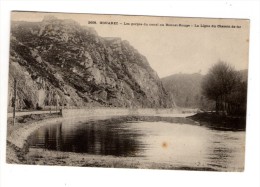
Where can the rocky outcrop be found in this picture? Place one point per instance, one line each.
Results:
(59, 62)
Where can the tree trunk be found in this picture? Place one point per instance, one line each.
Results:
(217, 105)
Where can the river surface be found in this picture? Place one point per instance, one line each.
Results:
(179, 144)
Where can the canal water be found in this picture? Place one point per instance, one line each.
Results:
(178, 144)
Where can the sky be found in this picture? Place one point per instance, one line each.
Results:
(170, 49)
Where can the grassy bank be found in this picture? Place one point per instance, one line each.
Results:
(221, 122)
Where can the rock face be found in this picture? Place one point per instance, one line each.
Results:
(61, 62)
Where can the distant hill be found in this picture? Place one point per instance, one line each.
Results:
(185, 89)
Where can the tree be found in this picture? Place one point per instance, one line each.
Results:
(237, 100)
(219, 83)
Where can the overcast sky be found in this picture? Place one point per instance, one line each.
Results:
(170, 49)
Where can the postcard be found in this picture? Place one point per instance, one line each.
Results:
(121, 91)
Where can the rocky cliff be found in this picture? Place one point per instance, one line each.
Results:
(61, 62)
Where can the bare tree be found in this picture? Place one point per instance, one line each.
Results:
(219, 83)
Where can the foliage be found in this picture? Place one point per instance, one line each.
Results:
(224, 85)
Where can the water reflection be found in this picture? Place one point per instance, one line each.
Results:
(174, 142)
(90, 138)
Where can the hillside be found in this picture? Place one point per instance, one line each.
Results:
(185, 89)
(61, 62)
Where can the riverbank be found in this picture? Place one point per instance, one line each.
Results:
(221, 122)
(58, 158)
(17, 150)
(17, 134)
(19, 153)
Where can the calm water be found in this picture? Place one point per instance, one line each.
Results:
(181, 145)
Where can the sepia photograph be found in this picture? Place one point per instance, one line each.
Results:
(127, 91)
